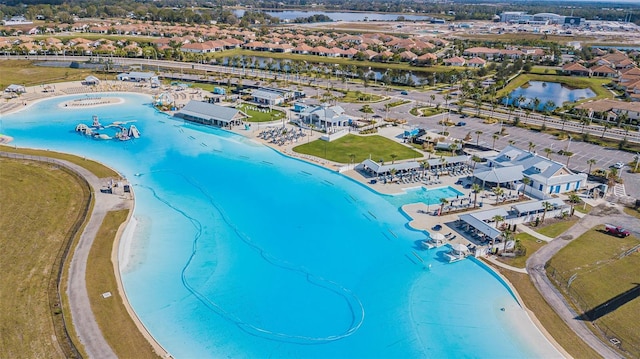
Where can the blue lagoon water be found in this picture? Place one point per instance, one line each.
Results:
(239, 251)
(548, 91)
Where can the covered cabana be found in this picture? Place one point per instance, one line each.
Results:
(453, 160)
(91, 80)
(500, 176)
(477, 223)
(534, 208)
(380, 169)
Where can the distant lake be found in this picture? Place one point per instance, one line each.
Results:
(339, 16)
(548, 91)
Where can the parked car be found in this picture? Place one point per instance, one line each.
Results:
(616, 231)
(461, 123)
(464, 115)
(618, 165)
(404, 93)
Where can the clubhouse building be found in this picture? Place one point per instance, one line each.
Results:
(512, 165)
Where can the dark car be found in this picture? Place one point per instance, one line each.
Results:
(461, 123)
(404, 93)
(464, 115)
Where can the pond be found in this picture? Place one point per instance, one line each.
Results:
(545, 92)
(339, 16)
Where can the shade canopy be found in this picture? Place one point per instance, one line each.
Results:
(459, 247)
(437, 236)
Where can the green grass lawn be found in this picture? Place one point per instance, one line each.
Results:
(582, 208)
(632, 212)
(361, 147)
(426, 111)
(600, 273)
(397, 103)
(531, 243)
(259, 116)
(94, 167)
(23, 72)
(41, 204)
(360, 97)
(555, 229)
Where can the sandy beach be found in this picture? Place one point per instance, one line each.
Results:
(420, 219)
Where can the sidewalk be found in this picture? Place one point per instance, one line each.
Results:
(530, 231)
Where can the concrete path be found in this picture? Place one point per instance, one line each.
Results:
(530, 231)
(535, 266)
(84, 322)
(493, 260)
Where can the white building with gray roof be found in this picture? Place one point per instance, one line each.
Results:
(547, 177)
(325, 117)
(212, 115)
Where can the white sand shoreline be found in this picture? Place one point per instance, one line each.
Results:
(90, 102)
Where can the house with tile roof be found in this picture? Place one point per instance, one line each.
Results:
(455, 61)
(476, 62)
(603, 71)
(575, 69)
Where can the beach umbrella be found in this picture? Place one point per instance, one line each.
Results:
(459, 247)
(437, 236)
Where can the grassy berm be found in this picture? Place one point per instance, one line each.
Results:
(39, 206)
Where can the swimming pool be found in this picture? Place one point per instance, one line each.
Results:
(240, 251)
(421, 194)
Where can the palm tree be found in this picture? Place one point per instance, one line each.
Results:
(507, 235)
(527, 182)
(433, 98)
(495, 137)
(478, 133)
(564, 118)
(547, 207)
(585, 122)
(548, 107)
(536, 104)
(393, 172)
(527, 112)
(424, 165)
(475, 189)
(612, 176)
(591, 162)
(548, 151)
(393, 158)
(574, 199)
(498, 191)
(453, 147)
(497, 218)
(605, 127)
(531, 146)
(519, 100)
(443, 202)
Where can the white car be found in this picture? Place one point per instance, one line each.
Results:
(618, 165)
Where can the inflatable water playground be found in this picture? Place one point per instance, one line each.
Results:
(99, 132)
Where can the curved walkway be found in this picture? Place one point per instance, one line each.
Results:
(82, 317)
(535, 267)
